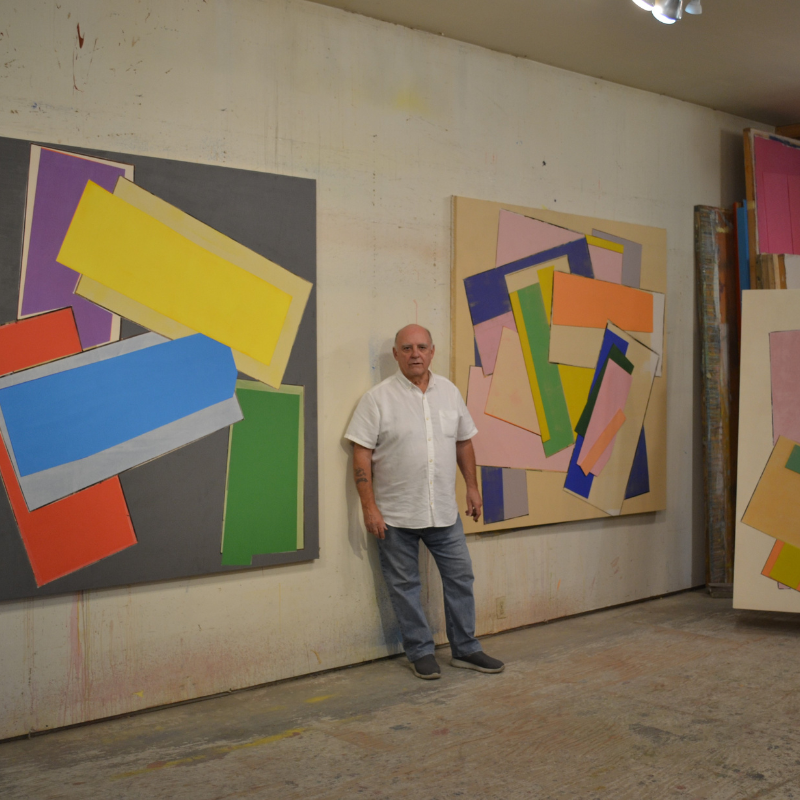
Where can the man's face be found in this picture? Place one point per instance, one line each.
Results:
(413, 351)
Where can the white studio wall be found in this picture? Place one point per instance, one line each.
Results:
(391, 123)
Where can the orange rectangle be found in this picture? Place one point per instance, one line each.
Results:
(34, 340)
(84, 527)
(603, 441)
(588, 303)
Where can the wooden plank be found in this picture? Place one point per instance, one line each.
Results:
(790, 131)
(750, 186)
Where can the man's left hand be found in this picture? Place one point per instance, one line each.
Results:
(474, 503)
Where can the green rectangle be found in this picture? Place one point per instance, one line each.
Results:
(547, 375)
(264, 490)
(794, 460)
(618, 357)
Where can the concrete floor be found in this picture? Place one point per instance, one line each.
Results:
(674, 698)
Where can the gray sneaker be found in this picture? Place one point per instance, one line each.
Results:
(478, 661)
(426, 668)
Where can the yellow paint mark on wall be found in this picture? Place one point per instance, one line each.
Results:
(216, 751)
(408, 100)
(139, 694)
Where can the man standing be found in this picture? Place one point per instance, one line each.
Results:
(409, 432)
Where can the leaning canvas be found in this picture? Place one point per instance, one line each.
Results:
(767, 556)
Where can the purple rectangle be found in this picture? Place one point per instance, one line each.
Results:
(49, 285)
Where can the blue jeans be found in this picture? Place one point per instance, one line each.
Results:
(399, 555)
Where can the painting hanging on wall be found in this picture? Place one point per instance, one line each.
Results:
(559, 348)
(767, 557)
(157, 369)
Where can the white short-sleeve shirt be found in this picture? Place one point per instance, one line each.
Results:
(413, 436)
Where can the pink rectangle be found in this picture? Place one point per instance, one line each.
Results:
(777, 158)
(778, 216)
(519, 236)
(501, 444)
(611, 398)
(606, 264)
(487, 337)
(784, 359)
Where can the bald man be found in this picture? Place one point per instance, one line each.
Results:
(408, 434)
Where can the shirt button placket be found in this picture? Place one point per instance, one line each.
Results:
(429, 431)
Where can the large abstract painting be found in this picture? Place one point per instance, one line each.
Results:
(559, 349)
(157, 369)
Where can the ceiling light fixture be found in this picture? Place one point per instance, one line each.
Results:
(670, 11)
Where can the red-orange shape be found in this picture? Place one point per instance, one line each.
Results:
(86, 526)
(589, 303)
(34, 340)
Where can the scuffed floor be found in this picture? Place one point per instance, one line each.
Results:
(674, 698)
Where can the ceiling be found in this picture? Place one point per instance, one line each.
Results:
(740, 56)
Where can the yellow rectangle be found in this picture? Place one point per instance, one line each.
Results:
(544, 430)
(576, 381)
(128, 250)
(615, 247)
(224, 247)
(530, 275)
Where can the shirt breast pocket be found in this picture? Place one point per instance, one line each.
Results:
(449, 423)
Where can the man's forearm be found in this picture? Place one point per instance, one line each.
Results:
(465, 456)
(362, 473)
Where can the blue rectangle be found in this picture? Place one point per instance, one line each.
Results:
(492, 486)
(487, 294)
(576, 481)
(639, 480)
(70, 415)
(743, 241)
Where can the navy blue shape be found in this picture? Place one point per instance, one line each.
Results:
(477, 355)
(492, 485)
(576, 481)
(487, 293)
(639, 480)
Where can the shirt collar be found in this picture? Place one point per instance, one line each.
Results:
(407, 383)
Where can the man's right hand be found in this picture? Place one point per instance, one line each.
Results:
(373, 519)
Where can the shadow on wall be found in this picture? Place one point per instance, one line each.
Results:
(382, 365)
(362, 542)
(732, 180)
(381, 361)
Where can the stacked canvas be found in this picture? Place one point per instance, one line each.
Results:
(559, 344)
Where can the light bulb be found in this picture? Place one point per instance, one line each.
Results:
(647, 5)
(694, 7)
(668, 11)
(661, 18)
